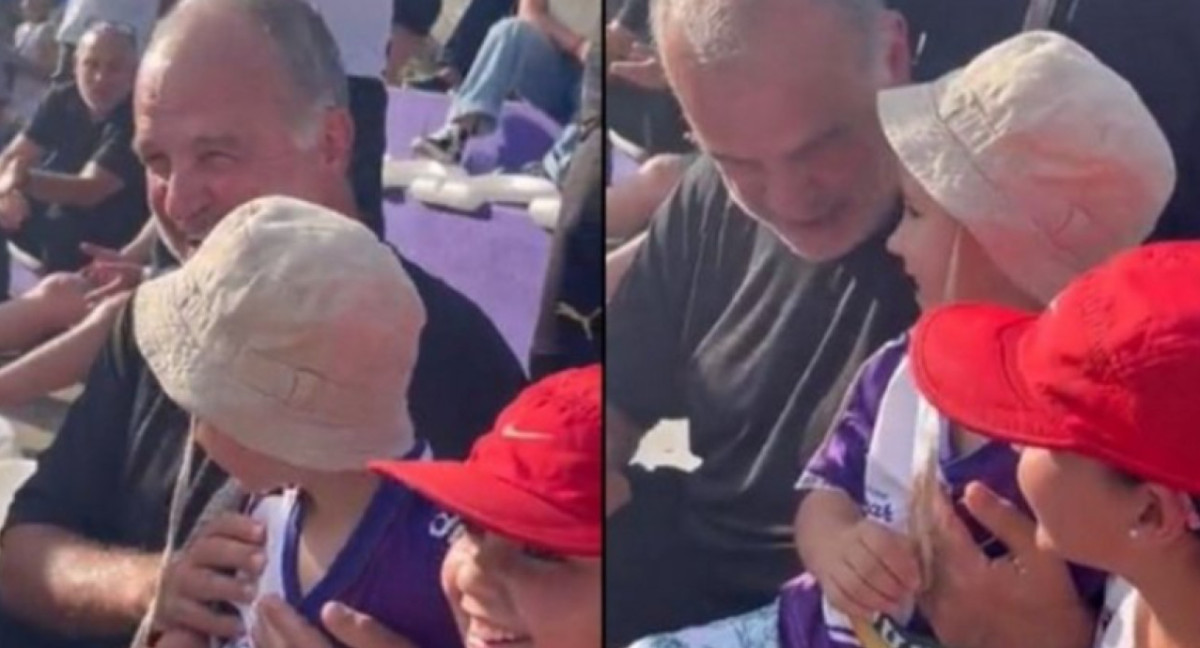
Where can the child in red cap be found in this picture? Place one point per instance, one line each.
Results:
(525, 569)
(1100, 392)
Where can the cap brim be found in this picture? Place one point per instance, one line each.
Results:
(497, 505)
(964, 359)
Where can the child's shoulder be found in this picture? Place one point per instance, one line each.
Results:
(877, 370)
(418, 514)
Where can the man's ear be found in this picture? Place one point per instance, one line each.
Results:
(336, 142)
(894, 60)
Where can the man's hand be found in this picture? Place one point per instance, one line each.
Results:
(14, 211)
(110, 272)
(868, 568)
(194, 579)
(13, 177)
(618, 42)
(641, 68)
(1023, 599)
(279, 626)
(62, 299)
(616, 491)
(582, 52)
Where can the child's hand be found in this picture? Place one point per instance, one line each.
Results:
(867, 569)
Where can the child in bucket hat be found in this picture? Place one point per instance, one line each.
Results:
(1097, 392)
(290, 337)
(1013, 183)
(526, 568)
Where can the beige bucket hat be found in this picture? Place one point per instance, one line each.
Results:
(1047, 157)
(293, 330)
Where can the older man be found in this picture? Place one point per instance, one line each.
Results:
(761, 287)
(236, 99)
(71, 176)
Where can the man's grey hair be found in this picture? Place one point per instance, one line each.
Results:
(720, 30)
(304, 47)
(125, 33)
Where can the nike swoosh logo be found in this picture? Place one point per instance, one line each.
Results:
(511, 432)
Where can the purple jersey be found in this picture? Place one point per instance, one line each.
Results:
(841, 463)
(389, 567)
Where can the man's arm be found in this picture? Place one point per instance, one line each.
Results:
(55, 579)
(18, 157)
(538, 13)
(63, 360)
(90, 187)
(55, 568)
(617, 263)
(621, 438)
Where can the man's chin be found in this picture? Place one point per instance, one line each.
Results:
(819, 244)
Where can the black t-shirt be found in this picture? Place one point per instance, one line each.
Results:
(718, 322)
(65, 130)
(109, 474)
(1154, 44)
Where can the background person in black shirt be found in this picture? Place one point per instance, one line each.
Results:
(761, 287)
(221, 118)
(71, 176)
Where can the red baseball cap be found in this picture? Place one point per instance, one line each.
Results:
(536, 476)
(1108, 370)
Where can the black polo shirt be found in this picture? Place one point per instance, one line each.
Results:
(718, 322)
(65, 129)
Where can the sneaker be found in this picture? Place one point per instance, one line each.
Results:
(431, 83)
(444, 145)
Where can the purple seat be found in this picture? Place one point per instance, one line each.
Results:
(496, 257)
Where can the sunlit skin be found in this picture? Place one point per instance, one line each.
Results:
(525, 597)
(798, 144)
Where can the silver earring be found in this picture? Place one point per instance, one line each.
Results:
(1135, 533)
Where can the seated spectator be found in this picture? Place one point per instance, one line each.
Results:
(1090, 392)
(458, 53)
(222, 117)
(524, 568)
(539, 55)
(976, 228)
(412, 21)
(71, 177)
(351, 333)
(640, 105)
(138, 16)
(36, 54)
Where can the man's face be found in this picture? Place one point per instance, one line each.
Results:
(792, 123)
(105, 64)
(214, 136)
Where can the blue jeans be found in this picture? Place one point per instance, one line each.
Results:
(516, 57)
